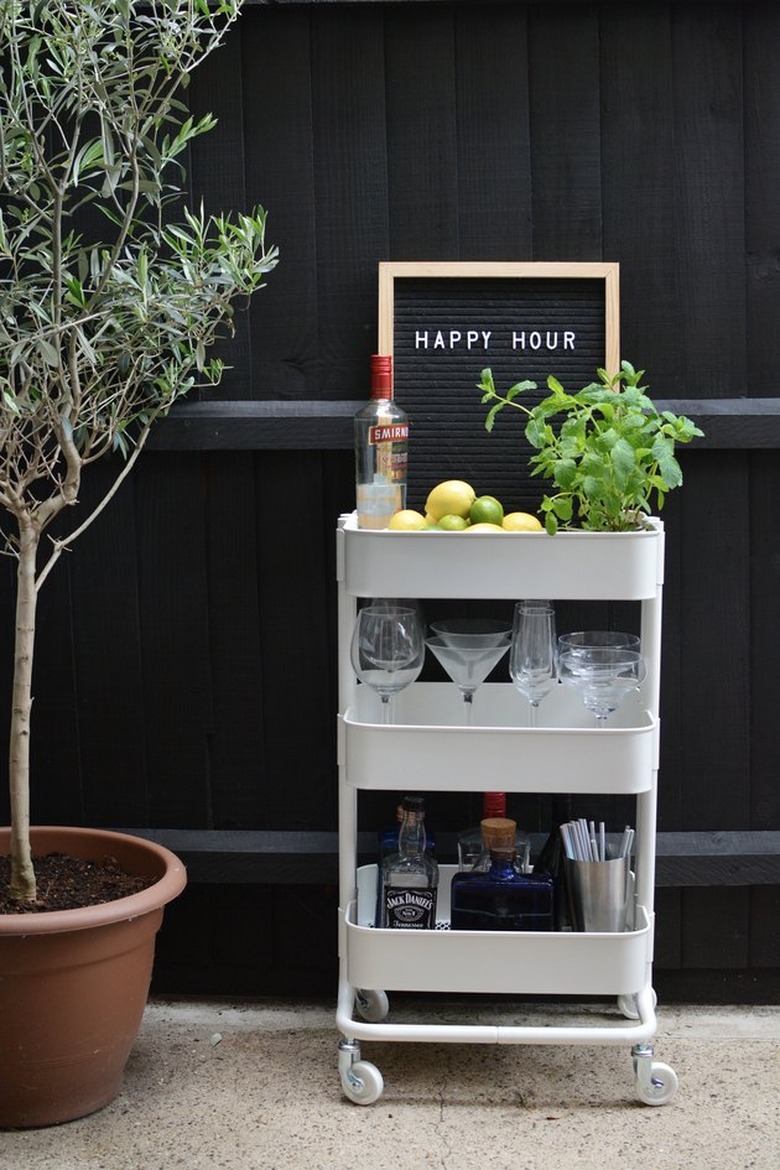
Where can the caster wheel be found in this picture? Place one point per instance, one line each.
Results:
(627, 1005)
(662, 1086)
(363, 1083)
(373, 1006)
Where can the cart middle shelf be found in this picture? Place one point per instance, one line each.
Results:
(429, 746)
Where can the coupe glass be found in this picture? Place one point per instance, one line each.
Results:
(387, 650)
(468, 659)
(583, 640)
(603, 676)
(532, 659)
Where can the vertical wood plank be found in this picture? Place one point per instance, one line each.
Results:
(237, 760)
(565, 132)
(709, 232)
(173, 591)
(638, 159)
(350, 175)
(107, 655)
(421, 135)
(278, 128)
(493, 133)
(762, 196)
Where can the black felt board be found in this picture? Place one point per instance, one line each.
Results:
(446, 328)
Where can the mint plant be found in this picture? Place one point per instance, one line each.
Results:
(606, 449)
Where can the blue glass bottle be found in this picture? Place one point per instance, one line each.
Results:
(501, 898)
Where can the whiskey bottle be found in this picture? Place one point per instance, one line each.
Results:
(381, 445)
(410, 877)
(502, 898)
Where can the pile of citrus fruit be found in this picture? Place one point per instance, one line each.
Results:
(454, 506)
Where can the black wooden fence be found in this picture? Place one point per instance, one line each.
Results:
(186, 678)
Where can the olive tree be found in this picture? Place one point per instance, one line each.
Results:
(112, 289)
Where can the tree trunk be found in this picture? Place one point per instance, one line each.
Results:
(22, 873)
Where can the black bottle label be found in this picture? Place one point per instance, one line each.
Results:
(410, 908)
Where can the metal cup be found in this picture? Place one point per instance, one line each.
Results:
(599, 893)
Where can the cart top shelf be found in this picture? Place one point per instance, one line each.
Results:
(501, 565)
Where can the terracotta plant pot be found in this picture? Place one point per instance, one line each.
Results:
(74, 983)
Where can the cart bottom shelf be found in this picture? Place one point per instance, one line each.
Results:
(487, 962)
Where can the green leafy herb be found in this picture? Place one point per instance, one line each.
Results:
(606, 449)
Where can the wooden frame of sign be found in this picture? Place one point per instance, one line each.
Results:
(445, 321)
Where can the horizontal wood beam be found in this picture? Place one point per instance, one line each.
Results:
(740, 858)
(243, 425)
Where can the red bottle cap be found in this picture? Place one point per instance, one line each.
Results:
(381, 375)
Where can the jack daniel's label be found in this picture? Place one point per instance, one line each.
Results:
(388, 433)
(410, 908)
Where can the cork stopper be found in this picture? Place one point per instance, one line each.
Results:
(498, 834)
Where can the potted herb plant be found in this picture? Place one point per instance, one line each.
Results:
(606, 449)
(112, 293)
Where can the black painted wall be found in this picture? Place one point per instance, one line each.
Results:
(186, 675)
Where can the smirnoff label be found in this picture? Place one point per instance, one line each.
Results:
(410, 908)
(388, 433)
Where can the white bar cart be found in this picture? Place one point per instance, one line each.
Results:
(428, 748)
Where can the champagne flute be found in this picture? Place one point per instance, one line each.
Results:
(532, 660)
(387, 650)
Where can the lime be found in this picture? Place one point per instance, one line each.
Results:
(485, 527)
(486, 510)
(453, 497)
(521, 522)
(453, 523)
(407, 520)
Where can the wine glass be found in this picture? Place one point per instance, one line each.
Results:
(468, 659)
(387, 650)
(603, 676)
(532, 660)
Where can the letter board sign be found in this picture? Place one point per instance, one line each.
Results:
(444, 322)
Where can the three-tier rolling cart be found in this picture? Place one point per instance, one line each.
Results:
(427, 748)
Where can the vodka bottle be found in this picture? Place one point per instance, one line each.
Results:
(410, 877)
(473, 852)
(381, 441)
(502, 898)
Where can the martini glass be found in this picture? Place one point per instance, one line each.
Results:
(468, 660)
(489, 630)
(603, 676)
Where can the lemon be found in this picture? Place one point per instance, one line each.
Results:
(485, 527)
(454, 497)
(453, 523)
(486, 510)
(521, 522)
(407, 520)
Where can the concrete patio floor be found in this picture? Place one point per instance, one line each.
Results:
(216, 1085)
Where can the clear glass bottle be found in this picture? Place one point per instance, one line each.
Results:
(410, 877)
(502, 898)
(381, 448)
(473, 853)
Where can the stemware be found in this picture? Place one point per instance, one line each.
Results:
(468, 659)
(492, 632)
(583, 640)
(603, 676)
(387, 650)
(532, 659)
